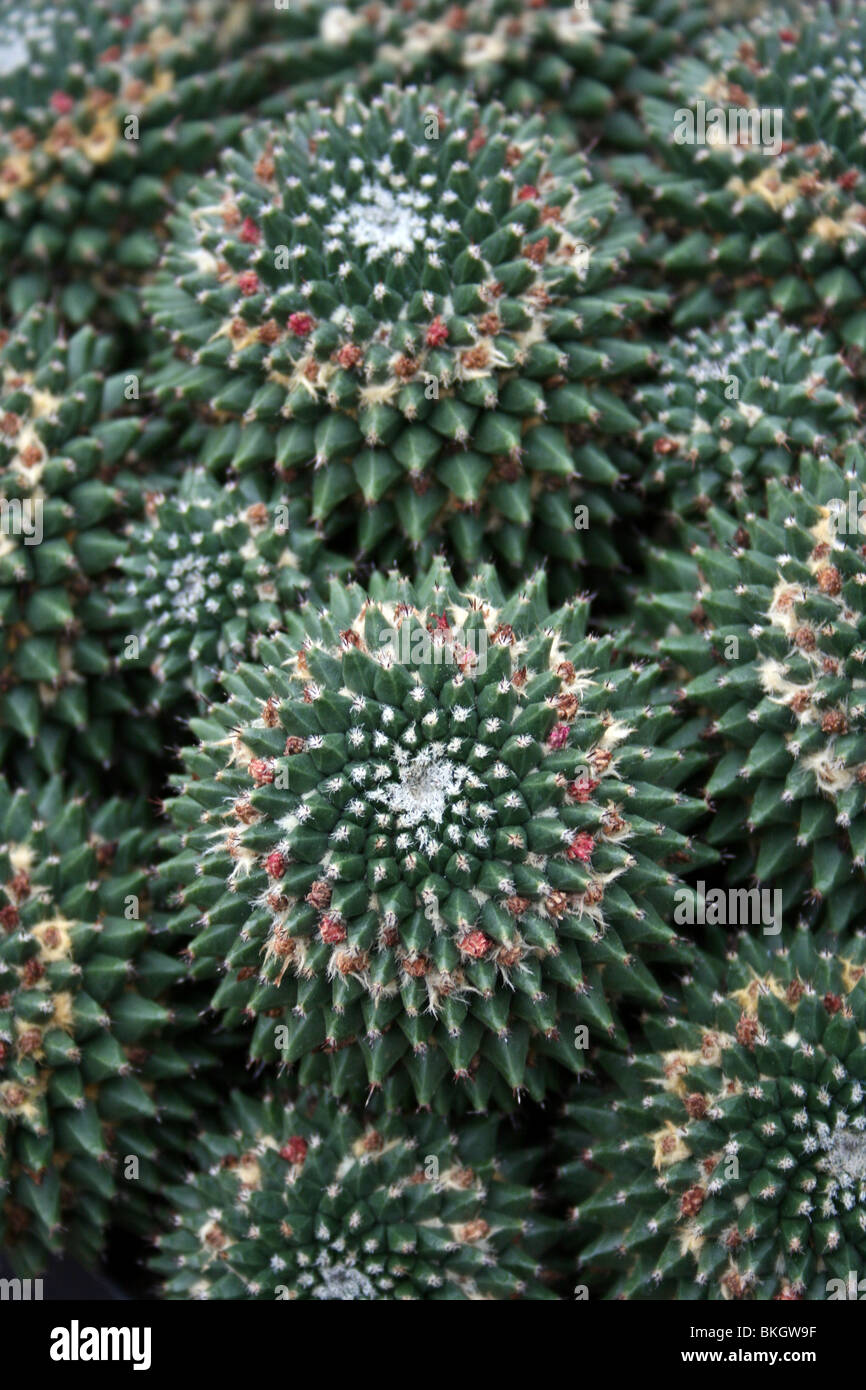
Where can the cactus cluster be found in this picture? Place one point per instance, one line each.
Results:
(432, 648)
(103, 102)
(571, 61)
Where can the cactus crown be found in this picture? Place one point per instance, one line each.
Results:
(750, 1113)
(210, 568)
(433, 844)
(307, 1202)
(737, 406)
(424, 290)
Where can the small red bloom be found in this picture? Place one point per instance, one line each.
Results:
(849, 179)
(582, 789)
(275, 864)
(300, 324)
(581, 847)
(475, 944)
(248, 282)
(832, 1003)
(350, 355)
(62, 103)
(437, 333)
(295, 1151)
(787, 36)
(558, 736)
(261, 770)
(250, 232)
(526, 192)
(8, 917)
(331, 930)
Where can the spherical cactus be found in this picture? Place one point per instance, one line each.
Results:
(69, 455)
(85, 1037)
(770, 625)
(739, 405)
(102, 101)
(305, 1200)
(436, 832)
(418, 304)
(761, 147)
(211, 568)
(729, 1162)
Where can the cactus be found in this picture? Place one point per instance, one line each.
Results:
(768, 623)
(438, 827)
(210, 569)
(579, 64)
(305, 1200)
(781, 230)
(729, 1159)
(737, 406)
(87, 1041)
(69, 455)
(419, 308)
(91, 137)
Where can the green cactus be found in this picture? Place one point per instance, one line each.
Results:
(439, 827)
(781, 229)
(729, 1162)
(103, 102)
(769, 623)
(579, 64)
(88, 1043)
(69, 476)
(737, 406)
(210, 569)
(422, 311)
(304, 1200)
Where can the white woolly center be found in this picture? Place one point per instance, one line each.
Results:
(425, 786)
(24, 33)
(846, 1153)
(342, 1283)
(382, 220)
(849, 90)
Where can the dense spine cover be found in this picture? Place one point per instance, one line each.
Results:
(731, 1163)
(306, 1199)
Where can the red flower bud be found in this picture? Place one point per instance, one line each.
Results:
(475, 944)
(275, 865)
(295, 1151)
